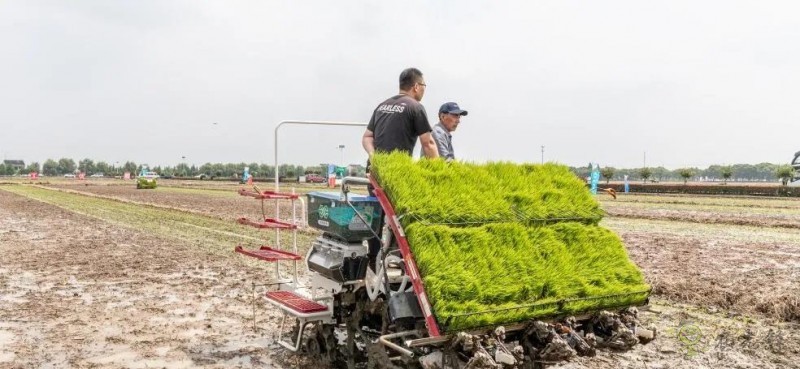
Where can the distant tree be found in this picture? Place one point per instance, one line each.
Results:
(206, 168)
(50, 167)
(657, 173)
(686, 173)
(102, 167)
(234, 169)
(266, 171)
(254, 169)
(182, 170)
(66, 165)
(645, 173)
(784, 173)
(218, 170)
(130, 167)
(607, 173)
(283, 169)
(86, 166)
(726, 172)
(33, 167)
(582, 172)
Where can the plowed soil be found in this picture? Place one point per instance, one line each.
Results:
(76, 291)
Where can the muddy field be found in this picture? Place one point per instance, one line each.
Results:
(759, 212)
(83, 288)
(220, 200)
(78, 292)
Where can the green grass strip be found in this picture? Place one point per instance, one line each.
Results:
(209, 234)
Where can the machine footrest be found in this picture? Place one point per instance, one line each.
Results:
(296, 303)
(267, 223)
(268, 194)
(268, 254)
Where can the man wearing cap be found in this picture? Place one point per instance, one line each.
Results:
(449, 117)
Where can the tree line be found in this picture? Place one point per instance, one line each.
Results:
(737, 172)
(763, 172)
(68, 166)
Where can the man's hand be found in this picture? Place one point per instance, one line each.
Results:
(368, 142)
(429, 146)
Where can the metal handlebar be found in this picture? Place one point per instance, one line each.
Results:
(363, 181)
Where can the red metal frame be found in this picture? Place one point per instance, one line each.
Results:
(296, 302)
(411, 266)
(267, 253)
(267, 223)
(268, 195)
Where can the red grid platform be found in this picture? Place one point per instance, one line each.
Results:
(296, 302)
(268, 254)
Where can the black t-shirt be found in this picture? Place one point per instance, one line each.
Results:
(397, 122)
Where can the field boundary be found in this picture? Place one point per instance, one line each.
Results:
(715, 189)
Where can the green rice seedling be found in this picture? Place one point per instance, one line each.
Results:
(466, 193)
(525, 270)
(502, 242)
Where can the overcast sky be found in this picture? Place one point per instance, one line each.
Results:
(691, 83)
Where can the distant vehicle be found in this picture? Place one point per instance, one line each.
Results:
(796, 165)
(68, 175)
(146, 180)
(315, 178)
(796, 161)
(167, 176)
(203, 176)
(97, 175)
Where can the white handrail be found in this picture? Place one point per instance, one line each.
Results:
(307, 122)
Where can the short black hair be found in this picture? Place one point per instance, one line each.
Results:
(409, 77)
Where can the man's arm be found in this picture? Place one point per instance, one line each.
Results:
(368, 142)
(428, 146)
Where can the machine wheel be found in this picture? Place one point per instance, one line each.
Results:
(321, 345)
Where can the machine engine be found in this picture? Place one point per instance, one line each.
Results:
(337, 260)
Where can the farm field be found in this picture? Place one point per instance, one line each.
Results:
(99, 274)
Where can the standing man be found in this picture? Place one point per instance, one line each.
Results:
(449, 118)
(395, 125)
(397, 122)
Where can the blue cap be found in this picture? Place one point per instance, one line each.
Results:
(451, 108)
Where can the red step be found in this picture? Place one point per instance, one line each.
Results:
(296, 302)
(268, 254)
(268, 194)
(267, 223)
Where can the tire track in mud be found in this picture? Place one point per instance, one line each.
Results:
(719, 266)
(182, 191)
(704, 218)
(211, 234)
(702, 201)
